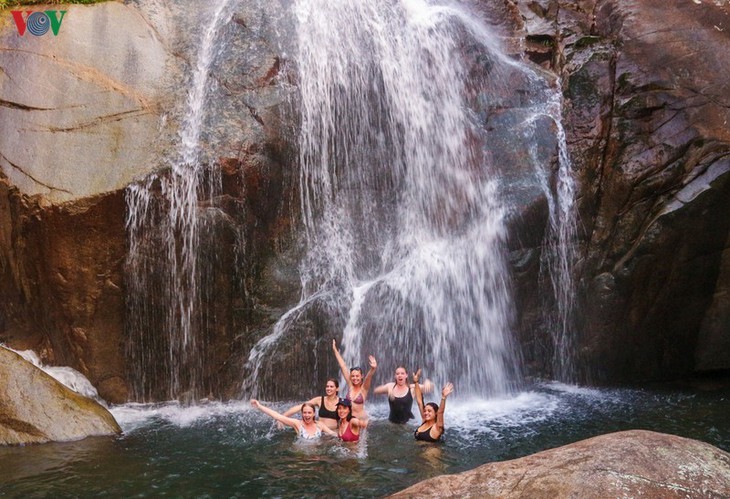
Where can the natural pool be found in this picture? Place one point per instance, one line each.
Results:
(229, 450)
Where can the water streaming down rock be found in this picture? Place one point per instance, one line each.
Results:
(561, 255)
(400, 189)
(167, 328)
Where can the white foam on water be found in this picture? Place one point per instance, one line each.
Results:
(134, 416)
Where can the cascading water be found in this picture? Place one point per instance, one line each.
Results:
(167, 344)
(559, 246)
(405, 227)
(561, 254)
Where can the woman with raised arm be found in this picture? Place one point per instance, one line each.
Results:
(307, 428)
(358, 387)
(326, 403)
(400, 396)
(432, 415)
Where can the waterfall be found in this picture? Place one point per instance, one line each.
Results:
(166, 285)
(559, 245)
(561, 254)
(400, 201)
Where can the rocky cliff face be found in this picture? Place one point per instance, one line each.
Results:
(646, 109)
(91, 111)
(646, 114)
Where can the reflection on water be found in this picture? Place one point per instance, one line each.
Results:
(229, 450)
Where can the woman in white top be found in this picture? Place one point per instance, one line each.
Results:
(307, 428)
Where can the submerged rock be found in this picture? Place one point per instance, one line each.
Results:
(35, 408)
(634, 463)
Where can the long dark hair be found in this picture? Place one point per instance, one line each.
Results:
(434, 405)
(337, 383)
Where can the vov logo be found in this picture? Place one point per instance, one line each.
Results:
(39, 22)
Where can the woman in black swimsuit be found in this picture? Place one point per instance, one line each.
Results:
(432, 414)
(326, 403)
(400, 396)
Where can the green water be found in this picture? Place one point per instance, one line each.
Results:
(228, 450)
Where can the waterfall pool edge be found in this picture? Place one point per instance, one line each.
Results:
(227, 449)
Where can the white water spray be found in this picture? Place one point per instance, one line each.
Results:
(403, 221)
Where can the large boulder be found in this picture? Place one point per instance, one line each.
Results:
(35, 408)
(634, 463)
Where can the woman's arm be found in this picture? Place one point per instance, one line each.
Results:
(379, 390)
(417, 390)
(369, 376)
(294, 423)
(341, 362)
(298, 407)
(442, 407)
(327, 429)
(357, 424)
(427, 387)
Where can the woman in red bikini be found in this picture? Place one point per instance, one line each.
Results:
(357, 386)
(348, 427)
(432, 414)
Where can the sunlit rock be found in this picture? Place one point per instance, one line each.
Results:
(633, 463)
(35, 408)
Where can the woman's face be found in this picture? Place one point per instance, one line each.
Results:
(342, 411)
(307, 414)
(401, 376)
(356, 377)
(330, 388)
(428, 413)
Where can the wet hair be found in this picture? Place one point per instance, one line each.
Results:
(307, 404)
(434, 405)
(333, 380)
(400, 367)
(356, 368)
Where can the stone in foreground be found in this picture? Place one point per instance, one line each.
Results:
(35, 408)
(634, 463)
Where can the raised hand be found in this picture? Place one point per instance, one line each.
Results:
(255, 403)
(373, 362)
(416, 375)
(447, 390)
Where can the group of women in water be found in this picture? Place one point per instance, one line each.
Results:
(346, 417)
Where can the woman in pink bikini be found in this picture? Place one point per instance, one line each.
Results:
(348, 427)
(357, 386)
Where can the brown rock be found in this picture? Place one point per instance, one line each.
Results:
(634, 463)
(35, 408)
